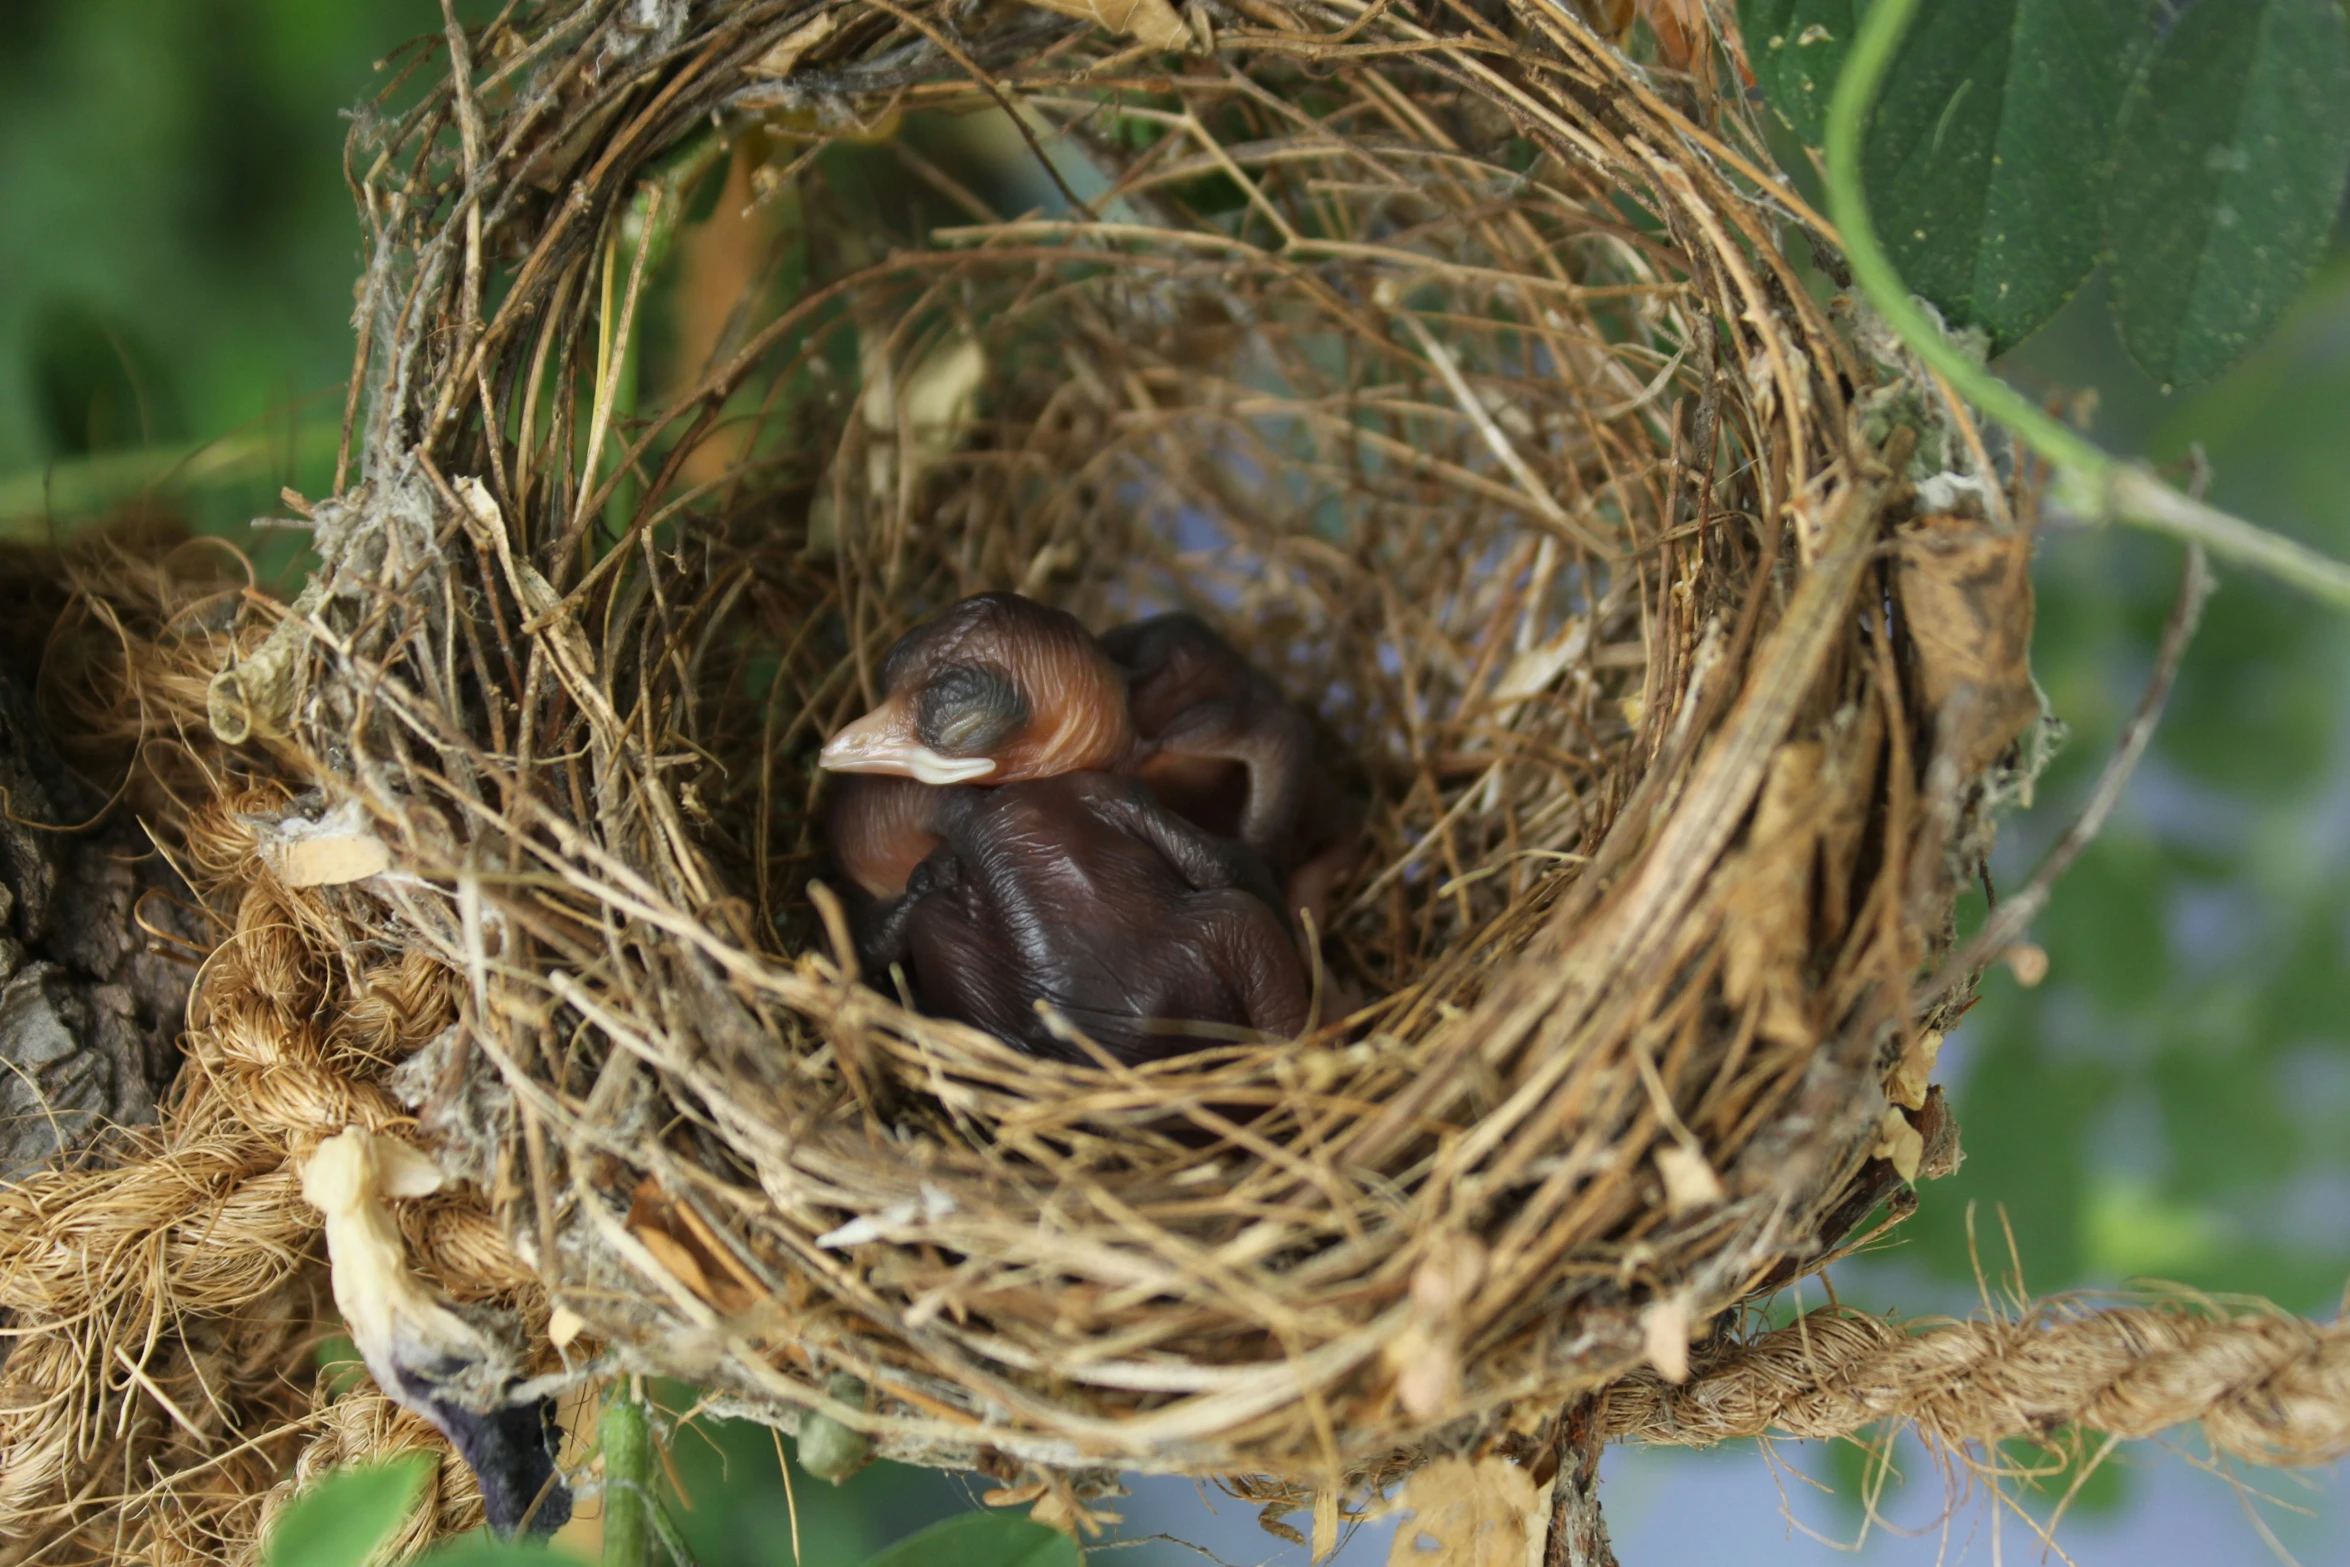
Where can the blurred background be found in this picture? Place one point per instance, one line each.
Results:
(176, 254)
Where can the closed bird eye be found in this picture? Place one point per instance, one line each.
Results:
(967, 709)
(963, 729)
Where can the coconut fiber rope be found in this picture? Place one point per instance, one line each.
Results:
(2266, 1387)
(165, 1298)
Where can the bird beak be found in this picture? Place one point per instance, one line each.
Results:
(878, 743)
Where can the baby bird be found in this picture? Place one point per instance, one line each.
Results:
(1215, 737)
(1220, 744)
(877, 827)
(995, 689)
(1000, 688)
(1082, 891)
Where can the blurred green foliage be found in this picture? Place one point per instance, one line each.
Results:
(982, 1540)
(178, 246)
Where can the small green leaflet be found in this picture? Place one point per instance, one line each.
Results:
(480, 1549)
(982, 1540)
(1796, 48)
(2229, 172)
(342, 1520)
(1990, 151)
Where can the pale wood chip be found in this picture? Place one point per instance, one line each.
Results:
(329, 862)
(564, 1325)
(793, 46)
(1664, 1334)
(1900, 1143)
(1155, 22)
(1690, 1182)
(1465, 1514)
(1913, 1074)
(1425, 1354)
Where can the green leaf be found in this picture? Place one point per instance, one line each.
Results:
(338, 1357)
(1989, 153)
(2229, 172)
(345, 1518)
(482, 1549)
(1796, 47)
(982, 1540)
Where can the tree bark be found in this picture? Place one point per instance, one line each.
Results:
(1578, 1534)
(92, 994)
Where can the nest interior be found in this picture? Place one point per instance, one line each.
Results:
(1456, 367)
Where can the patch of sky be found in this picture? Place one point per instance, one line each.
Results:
(2309, 1211)
(2074, 1028)
(2125, 1135)
(1793, 1505)
(2313, 1084)
(2185, 811)
(2212, 926)
(1962, 1047)
(992, 135)
(1196, 531)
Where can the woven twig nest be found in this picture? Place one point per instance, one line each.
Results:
(1473, 380)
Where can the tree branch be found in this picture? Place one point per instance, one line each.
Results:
(1578, 1534)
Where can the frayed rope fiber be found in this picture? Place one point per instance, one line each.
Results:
(2266, 1387)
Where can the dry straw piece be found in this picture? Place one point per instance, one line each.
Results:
(1461, 370)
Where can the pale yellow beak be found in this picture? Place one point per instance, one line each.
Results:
(879, 743)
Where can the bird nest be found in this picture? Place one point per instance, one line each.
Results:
(1478, 383)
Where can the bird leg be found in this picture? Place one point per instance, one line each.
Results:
(881, 936)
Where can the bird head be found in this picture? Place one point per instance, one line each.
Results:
(994, 689)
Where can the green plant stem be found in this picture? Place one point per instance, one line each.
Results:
(672, 1538)
(627, 1439)
(2089, 480)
